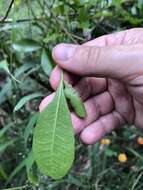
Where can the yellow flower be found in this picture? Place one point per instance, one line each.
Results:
(122, 157)
(105, 141)
(140, 140)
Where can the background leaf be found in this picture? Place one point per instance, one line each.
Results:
(26, 99)
(16, 170)
(30, 174)
(4, 66)
(4, 146)
(45, 63)
(5, 129)
(6, 91)
(3, 173)
(26, 45)
(29, 127)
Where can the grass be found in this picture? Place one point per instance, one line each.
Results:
(95, 167)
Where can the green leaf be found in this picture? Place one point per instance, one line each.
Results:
(17, 169)
(26, 45)
(26, 99)
(4, 146)
(3, 173)
(73, 180)
(31, 177)
(25, 67)
(4, 66)
(29, 127)
(45, 63)
(108, 152)
(75, 100)
(4, 129)
(6, 91)
(27, 162)
(135, 153)
(53, 140)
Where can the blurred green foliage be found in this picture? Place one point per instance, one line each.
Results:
(29, 30)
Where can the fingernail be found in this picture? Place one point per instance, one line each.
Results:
(63, 52)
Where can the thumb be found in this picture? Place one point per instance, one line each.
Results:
(113, 61)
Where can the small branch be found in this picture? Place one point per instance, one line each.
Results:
(52, 4)
(61, 26)
(35, 17)
(65, 30)
(21, 20)
(7, 12)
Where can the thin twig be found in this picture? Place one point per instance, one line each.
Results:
(9, 21)
(35, 17)
(136, 181)
(61, 25)
(52, 4)
(7, 12)
(65, 30)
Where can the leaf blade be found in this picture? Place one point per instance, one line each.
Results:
(25, 99)
(53, 141)
(45, 63)
(26, 45)
(30, 127)
(16, 170)
(4, 146)
(4, 129)
(30, 175)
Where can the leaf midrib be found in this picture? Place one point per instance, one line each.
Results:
(54, 127)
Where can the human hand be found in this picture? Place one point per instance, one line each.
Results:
(108, 74)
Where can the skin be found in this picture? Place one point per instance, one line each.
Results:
(108, 74)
